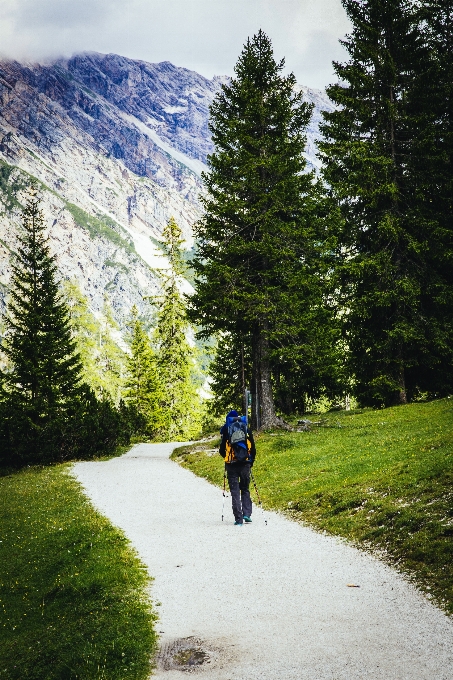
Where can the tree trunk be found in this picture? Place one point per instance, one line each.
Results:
(256, 407)
(244, 394)
(268, 417)
(263, 412)
(401, 396)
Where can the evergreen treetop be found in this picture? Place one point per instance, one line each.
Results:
(46, 413)
(171, 244)
(45, 367)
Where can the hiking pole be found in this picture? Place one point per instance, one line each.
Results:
(258, 495)
(224, 491)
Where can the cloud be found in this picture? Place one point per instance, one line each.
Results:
(58, 14)
(204, 35)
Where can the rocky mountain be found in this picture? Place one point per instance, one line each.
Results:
(118, 146)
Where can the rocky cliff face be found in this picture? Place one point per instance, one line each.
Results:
(119, 146)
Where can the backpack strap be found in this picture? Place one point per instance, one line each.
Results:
(229, 453)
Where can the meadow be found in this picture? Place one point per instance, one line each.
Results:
(382, 479)
(74, 595)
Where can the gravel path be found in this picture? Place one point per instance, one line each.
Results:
(262, 602)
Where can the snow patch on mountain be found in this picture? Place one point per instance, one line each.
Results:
(192, 163)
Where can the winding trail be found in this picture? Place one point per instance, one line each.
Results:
(262, 602)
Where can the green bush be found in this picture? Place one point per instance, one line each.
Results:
(89, 428)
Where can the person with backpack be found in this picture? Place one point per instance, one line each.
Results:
(238, 449)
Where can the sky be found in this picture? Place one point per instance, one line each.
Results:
(204, 35)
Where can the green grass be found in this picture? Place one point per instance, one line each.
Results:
(101, 225)
(88, 91)
(5, 245)
(117, 265)
(74, 600)
(382, 479)
(10, 186)
(64, 73)
(40, 161)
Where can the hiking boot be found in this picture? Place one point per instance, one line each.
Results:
(247, 520)
(238, 524)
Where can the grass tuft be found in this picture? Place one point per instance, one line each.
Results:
(10, 184)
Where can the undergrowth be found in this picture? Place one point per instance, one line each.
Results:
(382, 479)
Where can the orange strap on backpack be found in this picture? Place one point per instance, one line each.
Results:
(229, 452)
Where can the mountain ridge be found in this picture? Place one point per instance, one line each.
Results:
(119, 146)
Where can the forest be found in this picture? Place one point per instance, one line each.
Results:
(339, 285)
(309, 288)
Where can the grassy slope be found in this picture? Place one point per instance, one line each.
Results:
(74, 600)
(99, 225)
(383, 479)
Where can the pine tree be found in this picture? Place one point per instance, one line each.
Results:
(431, 170)
(103, 361)
(143, 388)
(180, 402)
(110, 358)
(368, 145)
(85, 331)
(260, 234)
(43, 382)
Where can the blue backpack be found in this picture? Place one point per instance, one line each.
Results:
(237, 446)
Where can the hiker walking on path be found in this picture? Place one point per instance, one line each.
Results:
(238, 449)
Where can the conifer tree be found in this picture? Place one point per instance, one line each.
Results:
(110, 358)
(431, 171)
(260, 233)
(143, 388)
(44, 376)
(103, 361)
(180, 402)
(85, 331)
(367, 146)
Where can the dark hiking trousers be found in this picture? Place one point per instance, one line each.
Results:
(239, 481)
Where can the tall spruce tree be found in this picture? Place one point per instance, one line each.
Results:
(175, 357)
(143, 386)
(260, 234)
(431, 168)
(367, 147)
(43, 380)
